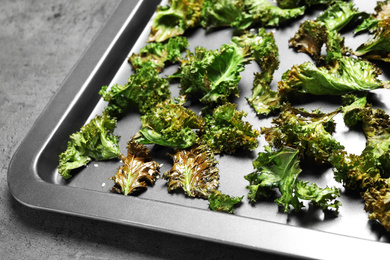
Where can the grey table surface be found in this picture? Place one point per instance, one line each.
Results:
(40, 41)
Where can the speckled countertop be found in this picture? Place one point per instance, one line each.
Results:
(40, 41)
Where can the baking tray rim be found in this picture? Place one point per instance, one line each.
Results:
(220, 227)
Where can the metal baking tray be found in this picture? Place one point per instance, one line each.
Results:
(34, 181)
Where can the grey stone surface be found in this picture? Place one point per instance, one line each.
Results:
(40, 41)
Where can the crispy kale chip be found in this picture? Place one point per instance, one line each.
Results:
(169, 124)
(225, 131)
(368, 172)
(310, 38)
(357, 172)
(370, 23)
(324, 30)
(347, 75)
(194, 171)
(223, 202)
(280, 169)
(156, 54)
(264, 100)
(212, 76)
(221, 13)
(324, 198)
(308, 132)
(371, 168)
(377, 203)
(174, 19)
(353, 109)
(339, 14)
(262, 13)
(296, 3)
(265, 52)
(138, 170)
(94, 141)
(378, 46)
(143, 90)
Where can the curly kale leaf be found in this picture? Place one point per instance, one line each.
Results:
(339, 14)
(309, 132)
(369, 171)
(335, 48)
(265, 53)
(296, 3)
(356, 172)
(347, 75)
(194, 171)
(378, 46)
(310, 38)
(213, 76)
(324, 30)
(174, 19)
(262, 13)
(324, 198)
(137, 172)
(223, 202)
(144, 90)
(94, 141)
(156, 54)
(221, 13)
(169, 124)
(353, 109)
(280, 169)
(225, 131)
(371, 168)
(275, 170)
(264, 100)
(377, 203)
(370, 23)
(264, 50)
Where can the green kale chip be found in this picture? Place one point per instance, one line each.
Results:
(169, 124)
(339, 14)
(212, 76)
(280, 169)
(353, 109)
(264, 100)
(94, 141)
(262, 13)
(368, 172)
(377, 203)
(347, 75)
(308, 132)
(371, 168)
(312, 35)
(174, 19)
(143, 90)
(225, 131)
(265, 52)
(378, 46)
(156, 54)
(222, 202)
(221, 13)
(370, 23)
(310, 38)
(194, 171)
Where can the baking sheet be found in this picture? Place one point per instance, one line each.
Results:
(34, 181)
